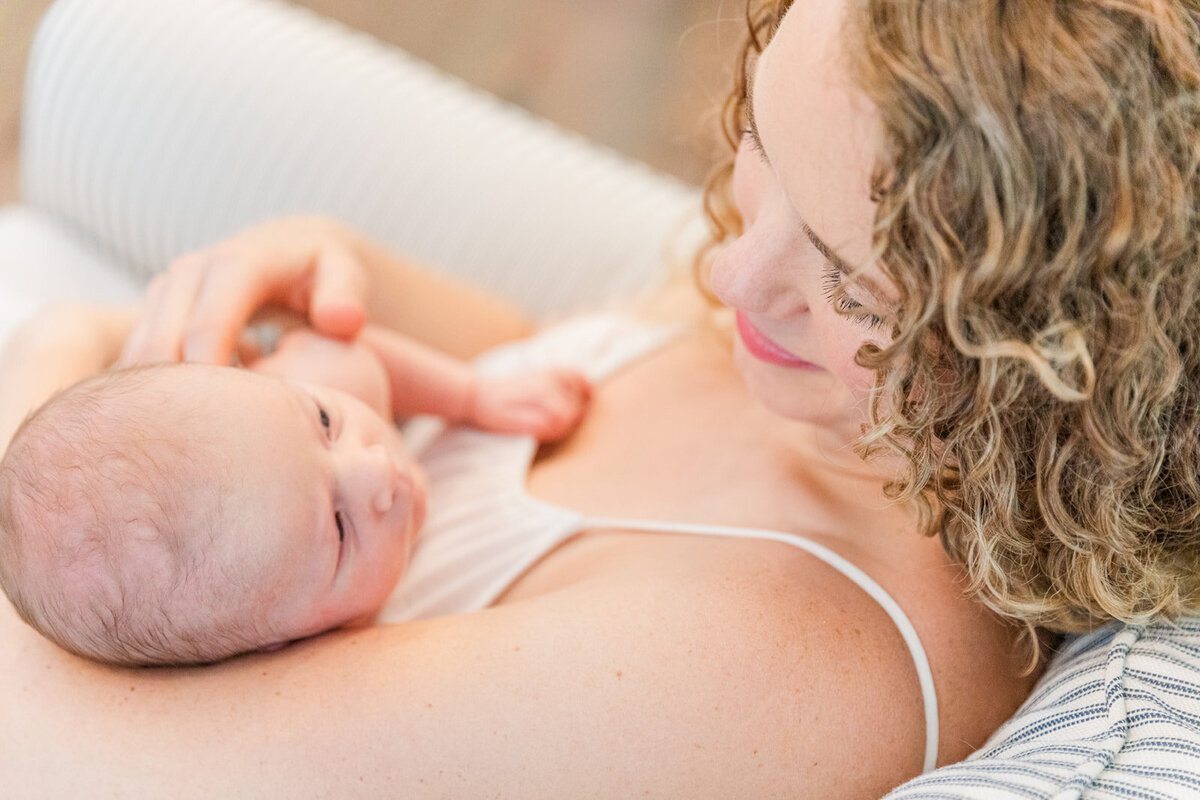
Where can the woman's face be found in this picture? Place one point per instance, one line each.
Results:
(801, 182)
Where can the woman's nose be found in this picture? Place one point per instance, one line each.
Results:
(757, 274)
(372, 479)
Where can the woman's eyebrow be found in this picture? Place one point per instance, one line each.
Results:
(825, 250)
(751, 123)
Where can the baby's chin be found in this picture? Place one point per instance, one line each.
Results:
(364, 620)
(318, 628)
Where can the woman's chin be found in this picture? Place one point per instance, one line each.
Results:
(803, 395)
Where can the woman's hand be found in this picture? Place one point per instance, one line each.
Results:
(196, 309)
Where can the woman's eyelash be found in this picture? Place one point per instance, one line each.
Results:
(755, 143)
(845, 305)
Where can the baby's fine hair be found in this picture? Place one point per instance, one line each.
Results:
(97, 550)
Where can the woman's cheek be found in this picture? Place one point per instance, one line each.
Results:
(858, 379)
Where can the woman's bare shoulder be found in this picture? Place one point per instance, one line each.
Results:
(969, 647)
(783, 669)
(824, 639)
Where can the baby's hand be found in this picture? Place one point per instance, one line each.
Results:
(547, 404)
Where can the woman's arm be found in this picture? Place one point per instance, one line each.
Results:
(662, 680)
(52, 350)
(443, 312)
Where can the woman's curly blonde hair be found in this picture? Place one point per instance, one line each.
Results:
(1038, 212)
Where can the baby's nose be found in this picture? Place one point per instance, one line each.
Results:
(378, 481)
(389, 482)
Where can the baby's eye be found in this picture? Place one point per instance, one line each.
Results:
(325, 423)
(337, 517)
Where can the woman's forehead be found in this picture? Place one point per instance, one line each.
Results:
(819, 130)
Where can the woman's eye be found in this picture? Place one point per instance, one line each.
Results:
(750, 135)
(844, 304)
(848, 307)
(337, 518)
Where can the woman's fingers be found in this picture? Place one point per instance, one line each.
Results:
(197, 310)
(233, 288)
(338, 306)
(329, 287)
(159, 334)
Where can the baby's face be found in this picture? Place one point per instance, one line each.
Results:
(320, 501)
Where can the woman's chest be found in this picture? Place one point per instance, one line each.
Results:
(676, 439)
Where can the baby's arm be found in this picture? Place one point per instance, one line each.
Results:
(546, 404)
(398, 377)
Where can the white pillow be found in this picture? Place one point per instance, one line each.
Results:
(41, 262)
(1117, 715)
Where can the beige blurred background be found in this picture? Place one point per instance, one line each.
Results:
(642, 76)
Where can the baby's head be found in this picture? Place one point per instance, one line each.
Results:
(184, 513)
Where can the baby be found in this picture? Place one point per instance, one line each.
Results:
(177, 514)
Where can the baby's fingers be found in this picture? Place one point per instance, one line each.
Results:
(561, 409)
(543, 423)
(569, 392)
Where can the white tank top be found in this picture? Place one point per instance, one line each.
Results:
(484, 530)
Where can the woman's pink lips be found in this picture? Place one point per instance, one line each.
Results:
(762, 348)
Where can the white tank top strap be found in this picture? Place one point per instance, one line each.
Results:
(860, 578)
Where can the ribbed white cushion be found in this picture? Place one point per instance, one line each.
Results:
(1117, 715)
(156, 126)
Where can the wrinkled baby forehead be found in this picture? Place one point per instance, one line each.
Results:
(106, 471)
(165, 401)
(130, 433)
(215, 432)
(123, 410)
(136, 459)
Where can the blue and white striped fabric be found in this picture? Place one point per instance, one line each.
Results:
(1117, 715)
